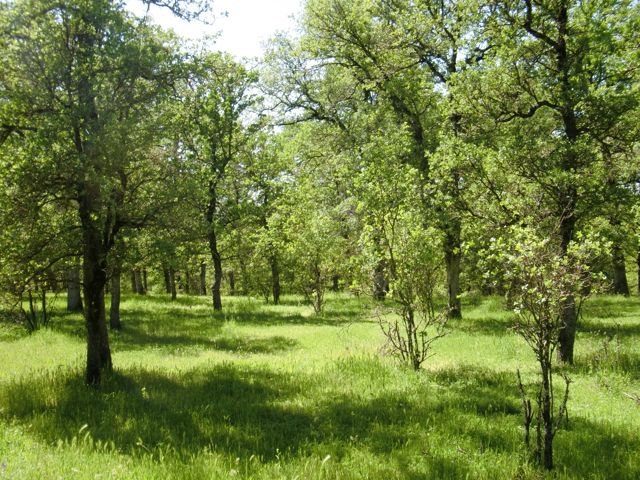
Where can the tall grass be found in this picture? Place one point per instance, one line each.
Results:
(264, 392)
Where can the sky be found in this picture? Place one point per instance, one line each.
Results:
(245, 25)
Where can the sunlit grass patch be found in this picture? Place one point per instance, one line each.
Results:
(264, 391)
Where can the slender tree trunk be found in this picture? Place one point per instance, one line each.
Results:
(275, 280)
(453, 256)
(232, 282)
(138, 282)
(569, 320)
(167, 280)
(217, 270)
(203, 278)
(74, 297)
(620, 284)
(134, 288)
(172, 284)
(547, 416)
(114, 310)
(187, 280)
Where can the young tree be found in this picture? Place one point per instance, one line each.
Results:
(544, 276)
(215, 103)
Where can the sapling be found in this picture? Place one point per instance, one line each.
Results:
(546, 280)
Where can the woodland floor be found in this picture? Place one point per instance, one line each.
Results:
(269, 392)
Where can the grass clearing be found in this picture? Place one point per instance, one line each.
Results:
(264, 392)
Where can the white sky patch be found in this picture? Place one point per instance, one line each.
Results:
(244, 25)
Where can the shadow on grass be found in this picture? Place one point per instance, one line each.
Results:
(443, 424)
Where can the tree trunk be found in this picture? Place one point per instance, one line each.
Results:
(95, 278)
(145, 285)
(74, 297)
(203, 278)
(547, 417)
(620, 284)
(275, 280)
(114, 310)
(453, 256)
(167, 280)
(217, 270)
(138, 282)
(569, 320)
(232, 282)
(172, 284)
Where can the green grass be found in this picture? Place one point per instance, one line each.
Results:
(265, 392)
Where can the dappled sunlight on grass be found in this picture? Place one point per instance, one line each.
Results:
(264, 391)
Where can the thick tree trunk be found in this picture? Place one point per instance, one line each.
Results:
(74, 297)
(114, 310)
(275, 280)
(95, 278)
(203, 278)
(620, 284)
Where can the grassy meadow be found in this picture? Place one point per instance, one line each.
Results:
(270, 392)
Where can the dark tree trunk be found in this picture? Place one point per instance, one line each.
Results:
(145, 285)
(213, 248)
(547, 417)
(114, 310)
(187, 280)
(203, 278)
(95, 279)
(569, 320)
(172, 284)
(167, 280)
(335, 283)
(620, 284)
(217, 270)
(74, 297)
(275, 280)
